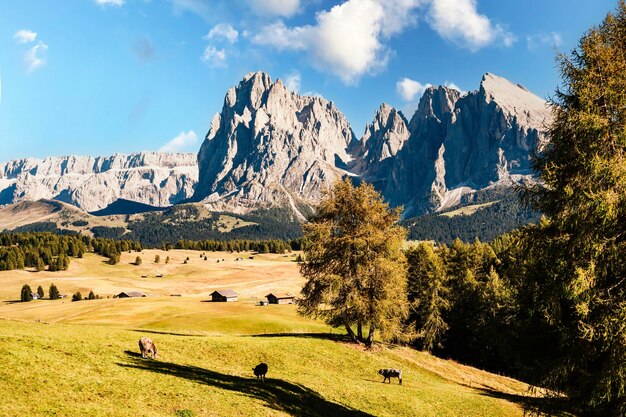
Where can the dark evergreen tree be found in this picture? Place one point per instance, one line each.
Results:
(26, 294)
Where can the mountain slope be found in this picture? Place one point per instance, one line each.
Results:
(92, 183)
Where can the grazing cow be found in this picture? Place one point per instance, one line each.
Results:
(147, 346)
(260, 370)
(391, 373)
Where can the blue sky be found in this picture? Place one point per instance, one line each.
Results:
(96, 77)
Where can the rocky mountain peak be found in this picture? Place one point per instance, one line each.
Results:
(437, 101)
(382, 139)
(269, 146)
(515, 100)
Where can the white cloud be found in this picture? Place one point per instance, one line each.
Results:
(223, 31)
(408, 89)
(281, 37)
(33, 56)
(25, 36)
(552, 39)
(284, 8)
(349, 39)
(458, 21)
(292, 82)
(214, 57)
(182, 142)
(117, 3)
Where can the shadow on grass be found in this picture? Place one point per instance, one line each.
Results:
(277, 394)
(324, 336)
(532, 406)
(168, 333)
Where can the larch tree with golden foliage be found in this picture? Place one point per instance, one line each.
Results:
(354, 264)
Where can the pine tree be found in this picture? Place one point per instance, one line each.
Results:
(157, 259)
(39, 265)
(26, 294)
(429, 295)
(40, 292)
(53, 292)
(354, 265)
(138, 260)
(167, 260)
(77, 296)
(91, 296)
(581, 288)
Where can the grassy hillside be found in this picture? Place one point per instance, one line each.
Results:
(81, 358)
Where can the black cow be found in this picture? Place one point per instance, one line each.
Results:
(391, 373)
(260, 370)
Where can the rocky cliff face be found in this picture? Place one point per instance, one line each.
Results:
(271, 147)
(383, 139)
(461, 145)
(92, 183)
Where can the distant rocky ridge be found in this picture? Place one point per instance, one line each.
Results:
(93, 183)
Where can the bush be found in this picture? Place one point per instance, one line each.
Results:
(77, 296)
(138, 261)
(167, 260)
(157, 259)
(91, 296)
(26, 294)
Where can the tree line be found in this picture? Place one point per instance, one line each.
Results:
(54, 251)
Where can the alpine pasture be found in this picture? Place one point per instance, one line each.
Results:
(81, 358)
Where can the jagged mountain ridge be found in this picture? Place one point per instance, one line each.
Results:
(461, 145)
(92, 183)
(270, 147)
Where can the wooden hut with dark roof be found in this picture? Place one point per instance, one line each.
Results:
(280, 298)
(224, 296)
(131, 294)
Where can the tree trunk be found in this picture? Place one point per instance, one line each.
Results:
(351, 334)
(370, 337)
(359, 331)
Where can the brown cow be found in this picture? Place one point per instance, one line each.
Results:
(147, 346)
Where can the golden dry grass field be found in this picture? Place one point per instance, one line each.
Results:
(66, 358)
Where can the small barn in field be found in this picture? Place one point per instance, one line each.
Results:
(131, 294)
(224, 296)
(280, 298)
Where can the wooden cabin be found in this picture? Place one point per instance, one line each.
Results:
(131, 294)
(224, 296)
(280, 298)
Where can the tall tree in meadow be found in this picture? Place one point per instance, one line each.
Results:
(582, 282)
(26, 293)
(354, 265)
(53, 292)
(40, 292)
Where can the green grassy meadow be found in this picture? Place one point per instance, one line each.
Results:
(81, 359)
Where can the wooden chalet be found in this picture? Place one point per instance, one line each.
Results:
(224, 296)
(280, 298)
